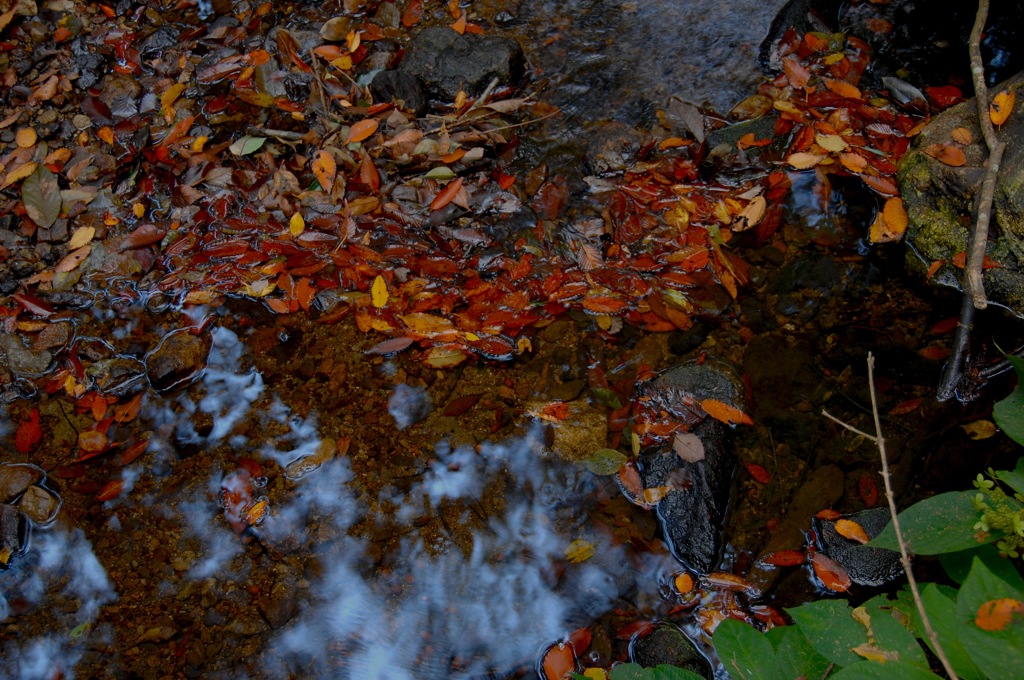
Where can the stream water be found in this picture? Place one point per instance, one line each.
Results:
(307, 508)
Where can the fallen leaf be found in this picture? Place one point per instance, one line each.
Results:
(979, 429)
(804, 160)
(579, 551)
(868, 489)
(29, 433)
(783, 558)
(962, 135)
(688, 446)
(683, 583)
(726, 413)
(325, 170)
(751, 215)
(890, 224)
(80, 237)
(40, 194)
(830, 515)
(91, 443)
(1001, 107)
(459, 405)
(558, 662)
(833, 143)
(246, 145)
(445, 356)
(847, 528)
(843, 88)
(905, 407)
(797, 74)
(446, 195)
(361, 130)
(110, 490)
(853, 162)
(379, 292)
(296, 225)
(949, 154)
(389, 347)
(654, 494)
(758, 472)
(25, 138)
(830, 573)
(996, 615)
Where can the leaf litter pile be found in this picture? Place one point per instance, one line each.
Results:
(164, 161)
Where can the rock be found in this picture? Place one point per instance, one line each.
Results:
(40, 505)
(866, 566)
(15, 530)
(402, 88)
(584, 430)
(15, 478)
(669, 645)
(178, 360)
(692, 512)
(118, 376)
(939, 200)
(446, 62)
(22, 361)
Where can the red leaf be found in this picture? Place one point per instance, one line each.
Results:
(458, 406)
(944, 96)
(111, 489)
(831, 573)
(796, 73)
(143, 235)
(413, 12)
(784, 558)
(29, 433)
(579, 640)
(905, 407)
(758, 472)
(868, 490)
(446, 195)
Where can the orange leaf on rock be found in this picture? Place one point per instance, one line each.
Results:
(949, 154)
(847, 528)
(1001, 107)
(830, 573)
(726, 413)
(962, 135)
(361, 130)
(559, 661)
(996, 615)
(895, 215)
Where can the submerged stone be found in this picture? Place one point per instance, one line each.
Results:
(866, 566)
(178, 360)
(446, 62)
(15, 478)
(669, 645)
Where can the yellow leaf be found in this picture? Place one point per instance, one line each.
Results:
(683, 583)
(833, 143)
(891, 223)
(1001, 107)
(595, 674)
(579, 551)
(20, 173)
(379, 292)
(979, 429)
(804, 160)
(851, 530)
(198, 143)
(422, 322)
(751, 215)
(138, 210)
(296, 225)
(167, 101)
(653, 495)
(81, 236)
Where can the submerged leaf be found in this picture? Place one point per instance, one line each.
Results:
(40, 195)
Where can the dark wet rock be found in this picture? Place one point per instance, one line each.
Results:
(612, 147)
(178, 360)
(55, 336)
(669, 645)
(940, 199)
(14, 534)
(40, 505)
(446, 62)
(822, 489)
(692, 512)
(22, 361)
(866, 566)
(402, 88)
(15, 478)
(118, 376)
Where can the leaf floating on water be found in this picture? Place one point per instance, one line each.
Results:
(726, 413)
(558, 662)
(833, 143)
(751, 215)
(890, 224)
(847, 528)
(996, 615)
(81, 236)
(379, 292)
(40, 194)
(853, 162)
(804, 160)
(829, 514)
(1001, 107)
(688, 446)
(579, 551)
(604, 461)
(979, 429)
(445, 356)
(683, 583)
(830, 573)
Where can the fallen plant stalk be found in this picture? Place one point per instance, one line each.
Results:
(879, 441)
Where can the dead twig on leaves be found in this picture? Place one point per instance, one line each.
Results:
(879, 441)
(973, 283)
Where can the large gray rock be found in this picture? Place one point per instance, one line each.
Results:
(446, 62)
(940, 200)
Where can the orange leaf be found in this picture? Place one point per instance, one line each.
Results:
(843, 88)
(110, 490)
(460, 24)
(98, 407)
(413, 12)
(828, 514)
(996, 615)
(796, 73)
(849, 529)
(325, 169)
(831, 573)
(92, 443)
(962, 135)
(882, 185)
(905, 407)
(947, 153)
(361, 130)
(758, 472)
(683, 583)
(730, 415)
(1001, 107)
(784, 558)
(446, 195)
(853, 162)
(559, 661)
(891, 223)
(604, 304)
(804, 160)
(368, 174)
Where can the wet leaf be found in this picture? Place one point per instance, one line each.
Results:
(25, 138)
(882, 185)
(833, 143)
(255, 512)
(604, 461)
(891, 223)
(92, 442)
(832, 574)
(325, 169)
(72, 260)
(796, 73)
(445, 357)
(784, 558)
(853, 162)
(751, 215)
(558, 662)
(459, 405)
(246, 145)
(29, 433)
(949, 154)
(446, 195)
(758, 472)
(726, 413)
(361, 130)
(688, 446)
(579, 551)
(683, 583)
(979, 429)
(962, 135)
(996, 615)
(843, 88)
(40, 195)
(391, 346)
(110, 490)
(296, 225)
(1001, 107)
(379, 292)
(803, 160)
(654, 494)
(849, 529)
(143, 235)
(868, 489)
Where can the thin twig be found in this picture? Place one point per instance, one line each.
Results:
(849, 427)
(904, 556)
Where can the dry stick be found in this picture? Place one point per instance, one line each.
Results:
(974, 286)
(879, 441)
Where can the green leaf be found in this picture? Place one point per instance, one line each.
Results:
(77, 631)
(606, 397)
(246, 145)
(604, 462)
(745, 652)
(440, 172)
(830, 629)
(936, 525)
(632, 671)
(958, 564)
(891, 635)
(940, 605)
(1009, 413)
(40, 194)
(999, 654)
(873, 670)
(794, 656)
(1014, 479)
